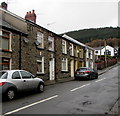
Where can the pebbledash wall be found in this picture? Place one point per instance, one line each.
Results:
(40, 51)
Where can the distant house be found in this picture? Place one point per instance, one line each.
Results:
(108, 50)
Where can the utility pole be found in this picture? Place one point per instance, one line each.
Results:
(100, 50)
(105, 54)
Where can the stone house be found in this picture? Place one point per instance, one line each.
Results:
(11, 32)
(28, 46)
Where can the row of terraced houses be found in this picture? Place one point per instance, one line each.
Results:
(28, 46)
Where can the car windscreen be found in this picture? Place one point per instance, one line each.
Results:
(3, 75)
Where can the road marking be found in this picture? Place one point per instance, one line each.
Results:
(31, 105)
(100, 80)
(80, 87)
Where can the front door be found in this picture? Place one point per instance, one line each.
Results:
(52, 68)
(72, 68)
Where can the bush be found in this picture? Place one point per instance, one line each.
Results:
(110, 62)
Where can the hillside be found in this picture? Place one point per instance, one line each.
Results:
(88, 35)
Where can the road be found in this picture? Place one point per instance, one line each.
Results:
(96, 96)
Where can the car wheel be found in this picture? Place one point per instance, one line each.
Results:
(96, 77)
(10, 94)
(75, 78)
(41, 87)
(90, 77)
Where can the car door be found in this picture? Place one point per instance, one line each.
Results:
(16, 80)
(28, 80)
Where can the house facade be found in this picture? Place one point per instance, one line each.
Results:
(108, 50)
(11, 33)
(28, 46)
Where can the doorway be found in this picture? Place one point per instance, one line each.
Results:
(52, 69)
(72, 68)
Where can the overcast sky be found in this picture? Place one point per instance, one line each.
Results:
(62, 16)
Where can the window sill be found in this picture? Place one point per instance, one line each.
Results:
(39, 48)
(3, 50)
(72, 56)
(64, 53)
(40, 73)
(65, 71)
(51, 50)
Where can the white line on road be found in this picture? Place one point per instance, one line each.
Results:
(100, 80)
(31, 105)
(80, 87)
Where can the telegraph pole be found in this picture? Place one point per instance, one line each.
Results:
(105, 54)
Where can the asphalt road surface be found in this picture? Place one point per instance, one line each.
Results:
(96, 96)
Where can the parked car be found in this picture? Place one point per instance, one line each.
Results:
(13, 81)
(86, 73)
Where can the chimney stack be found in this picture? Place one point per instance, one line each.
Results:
(4, 5)
(31, 16)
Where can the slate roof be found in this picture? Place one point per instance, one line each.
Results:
(75, 41)
(9, 26)
(99, 48)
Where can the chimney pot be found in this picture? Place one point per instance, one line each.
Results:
(33, 11)
(4, 5)
(31, 16)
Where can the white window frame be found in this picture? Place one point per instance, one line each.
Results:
(9, 40)
(91, 54)
(64, 47)
(81, 53)
(87, 53)
(71, 49)
(40, 39)
(41, 61)
(51, 39)
(64, 60)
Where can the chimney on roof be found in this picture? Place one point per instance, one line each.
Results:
(31, 16)
(4, 5)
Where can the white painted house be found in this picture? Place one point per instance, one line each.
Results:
(101, 50)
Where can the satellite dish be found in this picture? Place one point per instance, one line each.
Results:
(37, 43)
(26, 40)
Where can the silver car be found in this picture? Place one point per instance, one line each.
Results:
(13, 81)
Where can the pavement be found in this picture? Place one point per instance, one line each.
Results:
(107, 69)
(116, 106)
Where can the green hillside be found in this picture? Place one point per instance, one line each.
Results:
(88, 35)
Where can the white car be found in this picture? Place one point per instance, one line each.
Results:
(13, 81)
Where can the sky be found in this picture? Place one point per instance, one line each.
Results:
(61, 16)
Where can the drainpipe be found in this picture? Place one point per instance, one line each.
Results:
(20, 51)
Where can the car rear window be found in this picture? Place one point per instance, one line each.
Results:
(3, 75)
(82, 69)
